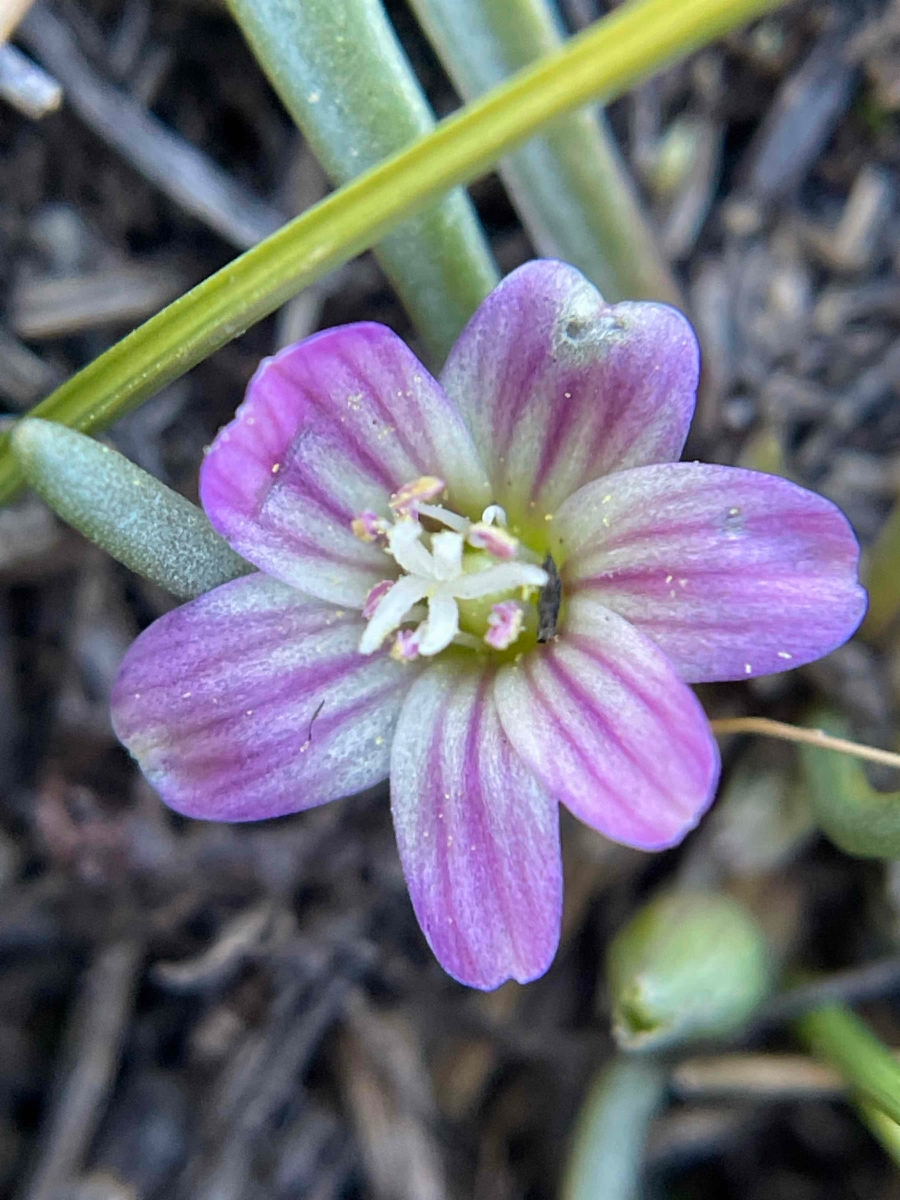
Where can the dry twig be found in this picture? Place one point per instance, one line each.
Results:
(180, 170)
(96, 1033)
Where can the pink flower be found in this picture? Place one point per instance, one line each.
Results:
(540, 471)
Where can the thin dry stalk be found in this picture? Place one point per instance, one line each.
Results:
(11, 13)
(810, 737)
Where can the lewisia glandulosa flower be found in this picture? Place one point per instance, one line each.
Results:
(494, 589)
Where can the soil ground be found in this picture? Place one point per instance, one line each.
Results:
(250, 1013)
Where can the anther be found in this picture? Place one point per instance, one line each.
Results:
(504, 624)
(375, 594)
(493, 539)
(405, 501)
(369, 527)
(406, 645)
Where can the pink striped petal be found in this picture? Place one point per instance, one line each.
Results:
(252, 701)
(478, 836)
(329, 429)
(560, 388)
(608, 728)
(731, 572)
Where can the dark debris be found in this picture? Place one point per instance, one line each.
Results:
(199, 1012)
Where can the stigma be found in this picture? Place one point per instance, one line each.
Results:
(450, 562)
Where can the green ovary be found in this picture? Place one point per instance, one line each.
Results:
(473, 614)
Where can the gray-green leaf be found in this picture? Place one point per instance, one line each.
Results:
(125, 511)
(343, 76)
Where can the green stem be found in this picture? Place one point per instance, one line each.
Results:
(570, 185)
(882, 1128)
(631, 43)
(836, 1035)
(850, 812)
(344, 78)
(608, 1144)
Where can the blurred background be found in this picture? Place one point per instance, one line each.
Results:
(251, 1013)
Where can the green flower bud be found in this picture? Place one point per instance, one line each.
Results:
(688, 965)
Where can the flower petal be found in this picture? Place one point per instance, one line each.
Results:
(252, 701)
(330, 428)
(478, 836)
(559, 387)
(609, 729)
(731, 572)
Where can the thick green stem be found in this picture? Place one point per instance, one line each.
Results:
(570, 185)
(886, 1131)
(627, 46)
(608, 1145)
(343, 77)
(836, 1035)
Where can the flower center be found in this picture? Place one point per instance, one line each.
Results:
(463, 583)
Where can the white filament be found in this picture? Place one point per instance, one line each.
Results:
(437, 575)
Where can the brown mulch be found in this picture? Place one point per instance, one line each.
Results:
(203, 1012)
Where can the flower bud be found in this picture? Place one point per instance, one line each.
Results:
(688, 965)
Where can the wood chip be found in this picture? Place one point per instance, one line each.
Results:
(25, 377)
(30, 90)
(764, 1077)
(179, 169)
(52, 308)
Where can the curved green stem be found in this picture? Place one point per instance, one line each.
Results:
(882, 1128)
(608, 1143)
(344, 78)
(850, 812)
(835, 1034)
(631, 43)
(570, 185)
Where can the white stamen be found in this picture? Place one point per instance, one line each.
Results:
(496, 541)
(442, 625)
(406, 501)
(391, 610)
(447, 552)
(502, 578)
(408, 551)
(437, 512)
(495, 515)
(438, 575)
